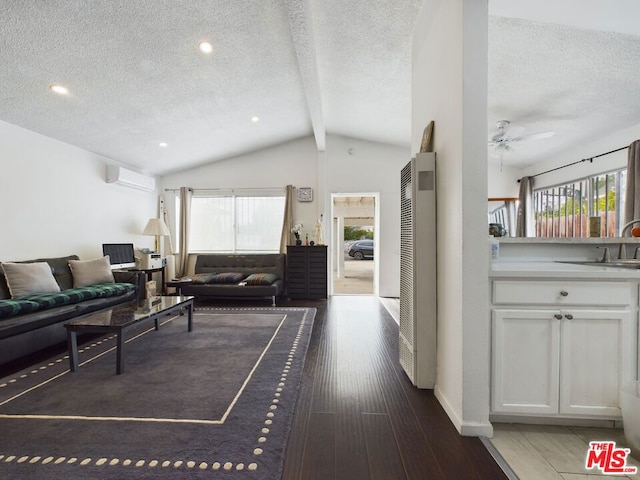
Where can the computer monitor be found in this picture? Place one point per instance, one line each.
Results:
(121, 255)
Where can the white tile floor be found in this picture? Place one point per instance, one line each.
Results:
(540, 452)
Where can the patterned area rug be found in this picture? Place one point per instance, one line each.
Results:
(216, 402)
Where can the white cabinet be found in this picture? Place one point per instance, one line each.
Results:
(526, 359)
(562, 348)
(596, 359)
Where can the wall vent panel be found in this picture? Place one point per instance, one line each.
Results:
(418, 270)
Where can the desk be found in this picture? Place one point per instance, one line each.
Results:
(149, 272)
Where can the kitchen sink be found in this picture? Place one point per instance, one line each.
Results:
(620, 263)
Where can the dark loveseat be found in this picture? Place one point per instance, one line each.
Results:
(29, 324)
(256, 275)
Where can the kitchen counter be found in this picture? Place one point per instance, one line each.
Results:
(569, 241)
(550, 250)
(542, 269)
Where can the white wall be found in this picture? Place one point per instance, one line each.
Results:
(450, 87)
(503, 181)
(372, 168)
(56, 201)
(292, 163)
(599, 165)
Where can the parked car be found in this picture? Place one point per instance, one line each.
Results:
(361, 249)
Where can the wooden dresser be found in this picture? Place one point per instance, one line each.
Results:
(307, 271)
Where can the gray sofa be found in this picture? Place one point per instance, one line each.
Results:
(36, 322)
(258, 275)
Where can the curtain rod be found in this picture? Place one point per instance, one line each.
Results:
(224, 189)
(590, 159)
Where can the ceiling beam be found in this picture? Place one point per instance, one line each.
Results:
(303, 42)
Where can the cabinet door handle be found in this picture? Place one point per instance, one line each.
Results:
(568, 316)
(558, 316)
(564, 293)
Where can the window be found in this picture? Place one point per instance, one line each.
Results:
(235, 222)
(564, 211)
(499, 215)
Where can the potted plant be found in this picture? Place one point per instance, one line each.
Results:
(296, 232)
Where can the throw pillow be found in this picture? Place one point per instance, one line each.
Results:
(91, 272)
(227, 277)
(261, 279)
(202, 278)
(29, 278)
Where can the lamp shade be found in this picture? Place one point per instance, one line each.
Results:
(157, 227)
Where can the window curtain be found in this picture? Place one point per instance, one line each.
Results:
(524, 221)
(287, 224)
(165, 217)
(182, 262)
(632, 195)
(511, 214)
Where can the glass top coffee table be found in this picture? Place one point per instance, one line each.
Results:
(119, 319)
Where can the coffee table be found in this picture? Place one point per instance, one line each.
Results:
(119, 319)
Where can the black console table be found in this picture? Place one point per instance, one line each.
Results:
(307, 271)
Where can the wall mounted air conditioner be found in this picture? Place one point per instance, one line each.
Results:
(129, 178)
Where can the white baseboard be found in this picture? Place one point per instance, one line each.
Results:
(466, 429)
(561, 421)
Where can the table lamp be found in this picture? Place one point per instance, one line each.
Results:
(157, 228)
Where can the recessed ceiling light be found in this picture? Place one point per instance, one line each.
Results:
(163, 144)
(59, 89)
(205, 47)
(255, 119)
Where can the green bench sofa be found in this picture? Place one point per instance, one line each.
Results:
(33, 322)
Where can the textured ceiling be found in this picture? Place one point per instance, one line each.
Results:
(136, 77)
(567, 66)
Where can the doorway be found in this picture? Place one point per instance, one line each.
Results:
(354, 262)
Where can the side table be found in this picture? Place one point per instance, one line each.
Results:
(178, 284)
(149, 272)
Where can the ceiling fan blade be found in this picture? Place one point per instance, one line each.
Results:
(514, 132)
(535, 136)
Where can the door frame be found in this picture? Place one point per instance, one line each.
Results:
(335, 244)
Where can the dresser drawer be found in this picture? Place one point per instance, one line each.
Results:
(561, 293)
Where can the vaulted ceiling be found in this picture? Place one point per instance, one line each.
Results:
(136, 77)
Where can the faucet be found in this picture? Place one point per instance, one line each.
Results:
(622, 251)
(606, 257)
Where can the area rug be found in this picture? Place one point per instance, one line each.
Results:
(216, 402)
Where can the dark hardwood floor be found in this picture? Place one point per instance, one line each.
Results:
(358, 417)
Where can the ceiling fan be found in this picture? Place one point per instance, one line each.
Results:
(507, 134)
